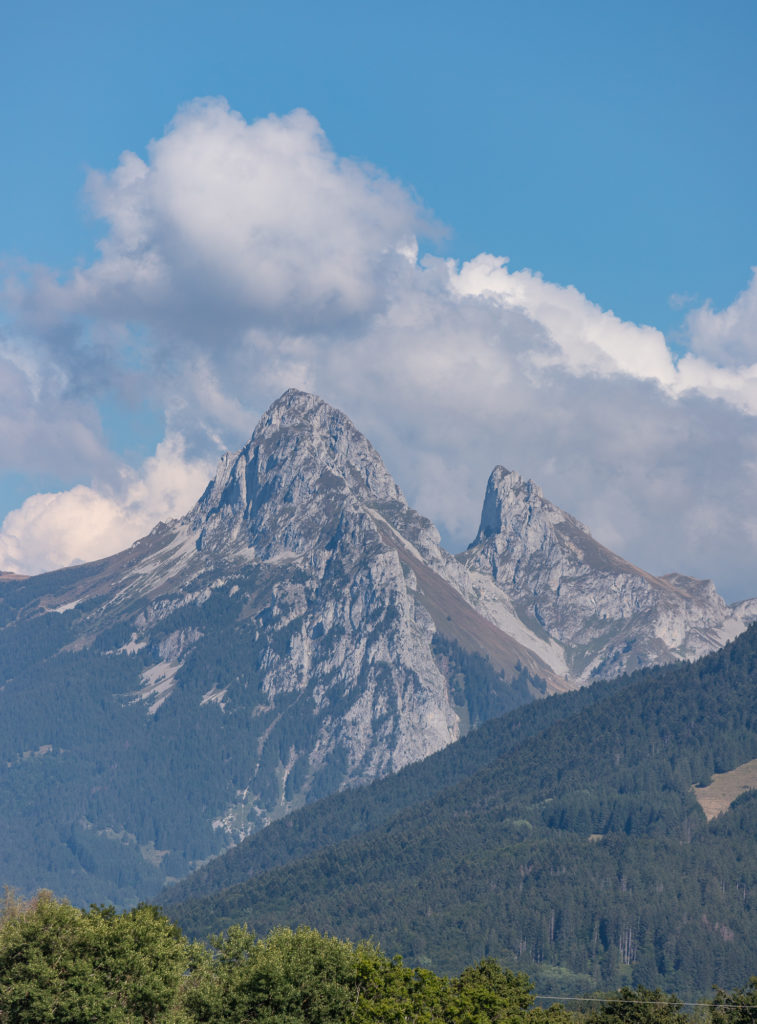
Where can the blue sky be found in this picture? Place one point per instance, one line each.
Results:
(608, 147)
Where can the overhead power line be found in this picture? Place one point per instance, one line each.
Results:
(644, 1002)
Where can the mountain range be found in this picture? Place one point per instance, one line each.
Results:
(299, 631)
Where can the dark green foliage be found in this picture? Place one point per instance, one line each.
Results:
(302, 977)
(100, 800)
(477, 687)
(739, 1007)
(290, 976)
(62, 965)
(640, 1006)
(571, 840)
(33, 639)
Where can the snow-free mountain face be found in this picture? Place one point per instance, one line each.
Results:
(608, 615)
(307, 523)
(298, 631)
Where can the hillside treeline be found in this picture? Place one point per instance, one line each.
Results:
(63, 965)
(564, 839)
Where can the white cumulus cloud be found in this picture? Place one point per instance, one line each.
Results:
(728, 336)
(85, 523)
(239, 259)
(241, 223)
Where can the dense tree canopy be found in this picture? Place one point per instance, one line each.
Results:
(63, 965)
(564, 839)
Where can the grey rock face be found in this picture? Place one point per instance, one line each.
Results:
(334, 590)
(301, 629)
(317, 533)
(608, 615)
(280, 494)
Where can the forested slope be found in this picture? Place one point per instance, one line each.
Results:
(578, 842)
(355, 811)
(59, 963)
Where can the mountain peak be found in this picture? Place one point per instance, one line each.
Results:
(304, 462)
(291, 407)
(508, 499)
(609, 615)
(301, 629)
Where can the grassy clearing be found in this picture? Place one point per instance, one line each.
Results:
(725, 788)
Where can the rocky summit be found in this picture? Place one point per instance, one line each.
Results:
(607, 615)
(300, 630)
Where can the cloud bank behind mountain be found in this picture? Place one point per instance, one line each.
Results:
(238, 259)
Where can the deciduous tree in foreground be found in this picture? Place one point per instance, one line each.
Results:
(63, 965)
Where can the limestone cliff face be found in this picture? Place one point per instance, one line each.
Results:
(313, 531)
(303, 595)
(283, 494)
(300, 630)
(608, 615)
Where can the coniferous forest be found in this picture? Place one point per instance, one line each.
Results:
(562, 841)
(63, 965)
(565, 839)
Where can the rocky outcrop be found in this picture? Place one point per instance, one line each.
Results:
(608, 615)
(332, 591)
(300, 630)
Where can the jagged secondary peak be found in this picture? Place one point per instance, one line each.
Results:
(534, 547)
(609, 615)
(516, 507)
(304, 462)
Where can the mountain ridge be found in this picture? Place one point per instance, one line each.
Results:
(576, 850)
(299, 631)
(609, 615)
